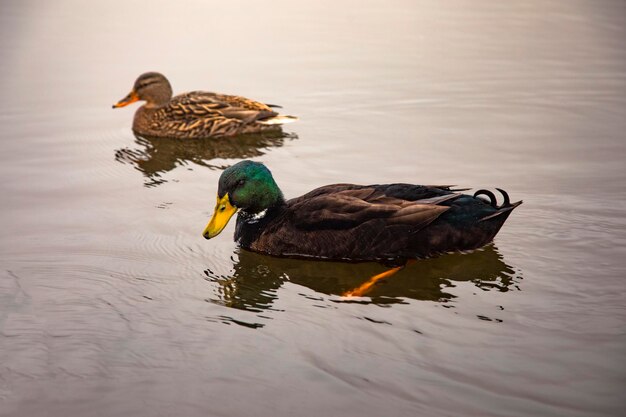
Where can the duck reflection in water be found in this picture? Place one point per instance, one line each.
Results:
(157, 156)
(255, 279)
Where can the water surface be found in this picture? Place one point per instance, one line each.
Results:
(111, 302)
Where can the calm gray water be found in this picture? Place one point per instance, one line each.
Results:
(112, 304)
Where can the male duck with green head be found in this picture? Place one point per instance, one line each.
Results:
(384, 222)
(247, 187)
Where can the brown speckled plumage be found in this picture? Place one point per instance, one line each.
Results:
(197, 114)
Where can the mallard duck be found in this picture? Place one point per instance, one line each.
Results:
(198, 114)
(384, 222)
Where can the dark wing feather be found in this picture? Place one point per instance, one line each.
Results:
(376, 222)
(351, 207)
(408, 192)
(356, 222)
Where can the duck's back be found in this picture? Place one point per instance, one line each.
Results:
(215, 101)
(375, 222)
(200, 114)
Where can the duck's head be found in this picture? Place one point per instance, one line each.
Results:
(247, 186)
(152, 87)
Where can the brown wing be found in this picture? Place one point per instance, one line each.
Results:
(356, 222)
(199, 113)
(193, 121)
(238, 101)
(205, 104)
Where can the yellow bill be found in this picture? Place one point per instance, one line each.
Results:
(222, 214)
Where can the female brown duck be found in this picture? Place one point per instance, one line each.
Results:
(389, 222)
(198, 114)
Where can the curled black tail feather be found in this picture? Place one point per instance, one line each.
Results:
(505, 207)
(492, 197)
(507, 201)
(493, 201)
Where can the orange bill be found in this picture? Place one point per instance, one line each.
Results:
(130, 98)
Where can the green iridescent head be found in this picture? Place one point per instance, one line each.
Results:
(247, 186)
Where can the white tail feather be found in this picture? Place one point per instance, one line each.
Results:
(278, 120)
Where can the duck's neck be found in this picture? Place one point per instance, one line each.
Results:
(143, 117)
(250, 225)
(154, 105)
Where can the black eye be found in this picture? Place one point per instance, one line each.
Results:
(241, 182)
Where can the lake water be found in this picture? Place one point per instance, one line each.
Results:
(112, 303)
